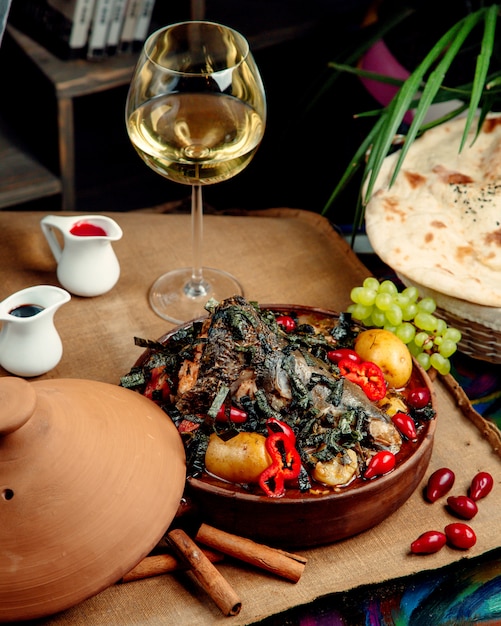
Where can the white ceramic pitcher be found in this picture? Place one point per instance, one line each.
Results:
(29, 342)
(86, 262)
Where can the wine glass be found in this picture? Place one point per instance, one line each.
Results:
(195, 113)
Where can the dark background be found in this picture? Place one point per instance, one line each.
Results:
(300, 158)
(308, 142)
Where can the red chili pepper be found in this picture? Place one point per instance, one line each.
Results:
(287, 322)
(286, 462)
(366, 375)
(481, 486)
(418, 397)
(187, 426)
(462, 506)
(237, 416)
(337, 355)
(405, 425)
(429, 542)
(460, 535)
(158, 388)
(381, 463)
(439, 483)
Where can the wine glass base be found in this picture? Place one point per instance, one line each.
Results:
(171, 299)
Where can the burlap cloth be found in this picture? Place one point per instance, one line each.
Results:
(281, 256)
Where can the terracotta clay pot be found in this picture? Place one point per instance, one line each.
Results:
(91, 476)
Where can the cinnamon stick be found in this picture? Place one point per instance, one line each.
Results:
(204, 571)
(162, 564)
(279, 562)
(488, 429)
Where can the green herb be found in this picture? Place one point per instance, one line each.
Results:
(134, 379)
(218, 401)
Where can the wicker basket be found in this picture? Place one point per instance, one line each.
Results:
(480, 326)
(478, 341)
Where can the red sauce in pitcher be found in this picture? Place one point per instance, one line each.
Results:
(86, 229)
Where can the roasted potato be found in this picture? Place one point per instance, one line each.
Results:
(241, 459)
(385, 349)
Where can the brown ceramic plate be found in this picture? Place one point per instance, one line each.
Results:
(304, 519)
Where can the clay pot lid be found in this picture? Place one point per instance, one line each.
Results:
(91, 476)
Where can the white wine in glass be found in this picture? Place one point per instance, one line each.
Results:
(196, 114)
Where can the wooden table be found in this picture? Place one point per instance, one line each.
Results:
(281, 256)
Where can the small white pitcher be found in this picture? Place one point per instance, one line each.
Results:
(86, 262)
(29, 342)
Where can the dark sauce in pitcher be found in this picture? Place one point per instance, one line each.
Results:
(26, 310)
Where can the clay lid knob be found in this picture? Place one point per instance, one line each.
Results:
(17, 403)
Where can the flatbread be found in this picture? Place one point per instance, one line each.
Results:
(440, 222)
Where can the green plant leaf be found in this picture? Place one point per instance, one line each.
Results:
(382, 78)
(424, 87)
(400, 104)
(433, 83)
(481, 70)
(376, 32)
(355, 164)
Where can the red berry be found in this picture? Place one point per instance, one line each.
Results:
(481, 485)
(287, 323)
(405, 425)
(439, 483)
(381, 463)
(462, 506)
(337, 355)
(460, 535)
(429, 542)
(419, 397)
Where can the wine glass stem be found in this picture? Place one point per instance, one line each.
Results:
(197, 286)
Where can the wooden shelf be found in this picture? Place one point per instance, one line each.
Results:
(22, 177)
(79, 77)
(69, 79)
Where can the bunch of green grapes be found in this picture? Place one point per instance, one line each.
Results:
(411, 318)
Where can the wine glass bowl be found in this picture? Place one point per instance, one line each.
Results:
(196, 114)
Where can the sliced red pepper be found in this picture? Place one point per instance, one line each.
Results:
(275, 425)
(286, 462)
(366, 375)
(158, 388)
(237, 416)
(187, 426)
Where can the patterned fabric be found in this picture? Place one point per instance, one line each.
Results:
(466, 593)
(482, 384)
